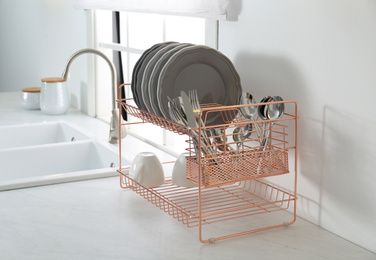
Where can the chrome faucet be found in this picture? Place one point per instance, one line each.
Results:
(115, 118)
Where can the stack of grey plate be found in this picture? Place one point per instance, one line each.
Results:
(167, 68)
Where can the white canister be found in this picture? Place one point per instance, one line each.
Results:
(54, 96)
(30, 97)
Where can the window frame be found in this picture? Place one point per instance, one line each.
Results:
(168, 143)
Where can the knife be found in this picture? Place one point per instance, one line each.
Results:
(188, 110)
(192, 124)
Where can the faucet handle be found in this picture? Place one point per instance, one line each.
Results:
(114, 127)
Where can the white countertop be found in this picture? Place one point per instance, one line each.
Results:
(97, 219)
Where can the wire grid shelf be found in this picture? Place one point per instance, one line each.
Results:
(220, 203)
(147, 117)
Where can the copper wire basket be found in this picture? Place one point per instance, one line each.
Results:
(242, 167)
(225, 202)
(231, 179)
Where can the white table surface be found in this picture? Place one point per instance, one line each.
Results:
(96, 219)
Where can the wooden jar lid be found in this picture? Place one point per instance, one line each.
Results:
(31, 90)
(53, 80)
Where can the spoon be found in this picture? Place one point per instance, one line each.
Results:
(247, 131)
(250, 111)
(261, 113)
(247, 111)
(272, 112)
(238, 138)
(219, 137)
(275, 111)
(240, 134)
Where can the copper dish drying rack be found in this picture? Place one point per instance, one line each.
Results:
(231, 180)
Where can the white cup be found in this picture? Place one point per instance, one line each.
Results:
(147, 170)
(179, 172)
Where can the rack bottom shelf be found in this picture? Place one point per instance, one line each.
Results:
(220, 203)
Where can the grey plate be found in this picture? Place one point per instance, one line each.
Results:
(153, 79)
(136, 68)
(144, 87)
(202, 68)
(139, 71)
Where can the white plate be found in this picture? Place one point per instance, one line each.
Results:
(154, 76)
(202, 68)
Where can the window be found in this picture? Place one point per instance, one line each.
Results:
(138, 32)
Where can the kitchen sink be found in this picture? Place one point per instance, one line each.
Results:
(37, 134)
(49, 164)
(52, 152)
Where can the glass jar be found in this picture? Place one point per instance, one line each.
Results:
(54, 96)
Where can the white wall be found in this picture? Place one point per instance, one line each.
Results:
(323, 55)
(37, 38)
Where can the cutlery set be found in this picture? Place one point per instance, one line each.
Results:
(186, 110)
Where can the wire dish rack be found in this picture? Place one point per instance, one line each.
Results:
(230, 172)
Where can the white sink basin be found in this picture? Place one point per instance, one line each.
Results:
(56, 163)
(38, 134)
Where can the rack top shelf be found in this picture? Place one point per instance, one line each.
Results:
(229, 115)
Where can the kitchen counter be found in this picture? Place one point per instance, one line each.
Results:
(96, 219)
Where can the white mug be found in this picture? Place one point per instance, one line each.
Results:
(147, 170)
(179, 172)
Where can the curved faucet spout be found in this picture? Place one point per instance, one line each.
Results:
(115, 118)
(93, 51)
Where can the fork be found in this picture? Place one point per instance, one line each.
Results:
(192, 93)
(193, 96)
(195, 105)
(177, 114)
(194, 101)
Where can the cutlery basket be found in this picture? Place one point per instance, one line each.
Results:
(232, 168)
(231, 175)
(243, 158)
